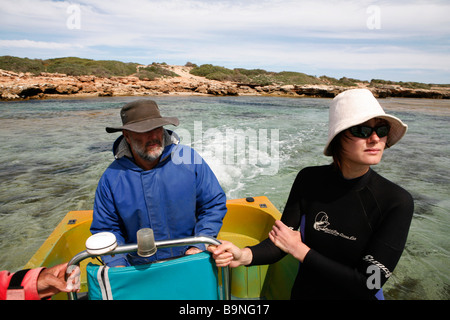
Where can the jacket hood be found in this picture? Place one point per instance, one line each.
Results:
(121, 148)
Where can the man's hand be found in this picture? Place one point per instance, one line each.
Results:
(192, 250)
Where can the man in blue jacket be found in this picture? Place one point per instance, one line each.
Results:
(155, 183)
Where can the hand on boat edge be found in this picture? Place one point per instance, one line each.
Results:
(227, 254)
(51, 281)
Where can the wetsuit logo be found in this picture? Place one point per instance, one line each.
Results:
(321, 224)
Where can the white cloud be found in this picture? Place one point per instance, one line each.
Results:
(30, 44)
(193, 18)
(254, 33)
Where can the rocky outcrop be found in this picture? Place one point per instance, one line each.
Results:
(15, 86)
(399, 92)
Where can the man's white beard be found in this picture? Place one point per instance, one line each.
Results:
(148, 155)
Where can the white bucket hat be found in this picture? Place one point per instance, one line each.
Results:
(356, 106)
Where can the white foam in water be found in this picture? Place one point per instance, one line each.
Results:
(235, 155)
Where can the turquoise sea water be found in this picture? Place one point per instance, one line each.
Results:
(53, 153)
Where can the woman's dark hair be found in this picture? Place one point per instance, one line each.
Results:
(336, 149)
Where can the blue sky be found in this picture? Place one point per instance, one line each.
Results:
(403, 40)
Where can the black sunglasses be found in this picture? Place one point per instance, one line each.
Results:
(366, 131)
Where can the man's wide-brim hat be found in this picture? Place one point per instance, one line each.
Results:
(142, 116)
(356, 106)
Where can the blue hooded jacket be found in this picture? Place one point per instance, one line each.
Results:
(180, 197)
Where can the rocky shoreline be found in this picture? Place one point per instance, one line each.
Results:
(20, 86)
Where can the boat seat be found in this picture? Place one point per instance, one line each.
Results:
(192, 277)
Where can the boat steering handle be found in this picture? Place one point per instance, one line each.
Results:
(75, 261)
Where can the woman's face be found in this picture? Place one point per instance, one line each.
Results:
(357, 152)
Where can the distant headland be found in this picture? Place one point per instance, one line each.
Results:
(23, 78)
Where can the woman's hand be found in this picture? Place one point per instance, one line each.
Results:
(227, 254)
(288, 240)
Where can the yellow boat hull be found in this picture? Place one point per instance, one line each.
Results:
(246, 223)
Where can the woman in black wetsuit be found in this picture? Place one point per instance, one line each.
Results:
(345, 223)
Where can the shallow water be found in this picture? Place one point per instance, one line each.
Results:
(54, 151)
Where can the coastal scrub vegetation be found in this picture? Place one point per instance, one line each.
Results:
(78, 67)
(74, 66)
(34, 66)
(71, 66)
(253, 76)
(411, 85)
(153, 71)
(262, 77)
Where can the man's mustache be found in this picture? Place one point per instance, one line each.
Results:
(151, 142)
